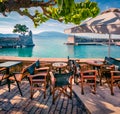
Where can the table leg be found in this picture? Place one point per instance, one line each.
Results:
(8, 81)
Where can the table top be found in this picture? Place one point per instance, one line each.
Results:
(9, 63)
(59, 64)
(95, 62)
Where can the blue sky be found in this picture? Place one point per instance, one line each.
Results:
(7, 23)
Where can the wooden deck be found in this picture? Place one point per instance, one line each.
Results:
(12, 103)
(102, 102)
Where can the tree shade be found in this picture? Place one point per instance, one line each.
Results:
(67, 11)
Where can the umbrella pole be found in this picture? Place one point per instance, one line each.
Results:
(109, 45)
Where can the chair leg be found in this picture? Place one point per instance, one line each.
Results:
(70, 91)
(18, 85)
(29, 80)
(31, 91)
(82, 91)
(8, 81)
(51, 89)
(44, 91)
(44, 94)
(19, 88)
(95, 86)
(101, 79)
(112, 93)
(53, 92)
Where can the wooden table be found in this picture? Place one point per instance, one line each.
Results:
(95, 63)
(59, 65)
(8, 65)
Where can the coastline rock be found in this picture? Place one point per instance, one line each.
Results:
(15, 42)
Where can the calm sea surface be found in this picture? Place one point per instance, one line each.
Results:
(53, 47)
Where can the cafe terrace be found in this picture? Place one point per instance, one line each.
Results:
(18, 99)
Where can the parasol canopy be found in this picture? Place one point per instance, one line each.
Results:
(108, 22)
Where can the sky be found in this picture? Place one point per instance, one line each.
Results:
(7, 23)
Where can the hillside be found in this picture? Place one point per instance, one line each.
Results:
(50, 34)
(42, 34)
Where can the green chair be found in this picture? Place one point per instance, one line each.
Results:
(61, 82)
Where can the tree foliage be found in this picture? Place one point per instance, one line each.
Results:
(20, 29)
(67, 11)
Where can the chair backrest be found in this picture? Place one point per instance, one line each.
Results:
(27, 70)
(37, 63)
(89, 73)
(115, 74)
(71, 65)
(31, 68)
(62, 79)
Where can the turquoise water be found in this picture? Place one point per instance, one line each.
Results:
(55, 48)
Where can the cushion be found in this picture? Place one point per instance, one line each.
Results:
(37, 64)
(31, 69)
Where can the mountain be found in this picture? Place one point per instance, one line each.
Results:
(50, 34)
(42, 34)
(8, 35)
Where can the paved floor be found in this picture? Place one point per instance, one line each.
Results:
(12, 103)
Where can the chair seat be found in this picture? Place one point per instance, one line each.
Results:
(2, 76)
(38, 75)
(18, 77)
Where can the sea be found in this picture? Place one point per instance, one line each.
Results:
(52, 45)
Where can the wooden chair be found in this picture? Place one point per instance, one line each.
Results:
(105, 73)
(115, 80)
(60, 83)
(3, 75)
(38, 80)
(19, 76)
(88, 78)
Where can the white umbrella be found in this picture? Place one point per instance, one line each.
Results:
(108, 22)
